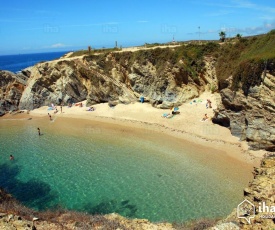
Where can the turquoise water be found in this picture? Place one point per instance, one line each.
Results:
(88, 167)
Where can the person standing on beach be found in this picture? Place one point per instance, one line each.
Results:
(50, 116)
(210, 104)
(61, 108)
(38, 131)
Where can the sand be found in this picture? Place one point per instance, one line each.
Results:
(187, 125)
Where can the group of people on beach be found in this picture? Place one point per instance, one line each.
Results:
(208, 105)
(56, 111)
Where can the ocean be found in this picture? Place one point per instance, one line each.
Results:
(15, 63)
(87, 166)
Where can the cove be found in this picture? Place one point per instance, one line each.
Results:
(101, 168)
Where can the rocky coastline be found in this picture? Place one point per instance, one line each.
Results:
(260, 190)
(124, 78)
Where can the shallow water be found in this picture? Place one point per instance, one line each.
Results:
(87, 166)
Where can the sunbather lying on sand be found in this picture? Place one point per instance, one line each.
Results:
(167, 115)
(205, 117)
(91, 109)
(79, 104)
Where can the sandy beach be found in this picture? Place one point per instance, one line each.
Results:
(181, 138)
(187, 125)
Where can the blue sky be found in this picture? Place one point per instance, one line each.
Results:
(43, 26)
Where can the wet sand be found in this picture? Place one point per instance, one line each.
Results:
(231, 160)
(186, 126)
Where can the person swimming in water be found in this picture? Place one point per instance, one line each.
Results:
(11, 157)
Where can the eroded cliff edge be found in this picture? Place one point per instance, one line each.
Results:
(165, 77)
(260, 192)
(250, 117)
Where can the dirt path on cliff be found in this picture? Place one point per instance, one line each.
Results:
(126, 49)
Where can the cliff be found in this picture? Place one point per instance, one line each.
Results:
(246, 74)
(242, 71)
(250, 117)
(260, 191)
(118, 77)
(11, 89)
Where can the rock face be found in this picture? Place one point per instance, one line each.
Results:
(125, 77)
(52, 82)
(251, 117)
(262, 189)
(260, 192)
(111, 79)
(11, 88)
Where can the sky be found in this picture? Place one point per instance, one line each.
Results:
(28, 26)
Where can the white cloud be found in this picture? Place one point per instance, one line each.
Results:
(56, 46)
(142, 21)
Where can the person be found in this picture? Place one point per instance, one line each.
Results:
(208, 104)
(11, 157)
(38, 131)
(205, 117)
(50, 116)
(56, 111)
(91, 109)
(61, 108)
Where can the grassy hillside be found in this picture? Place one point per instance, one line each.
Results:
(245, 60)
(242, 59)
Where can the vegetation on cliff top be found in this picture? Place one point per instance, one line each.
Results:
(245, 59)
